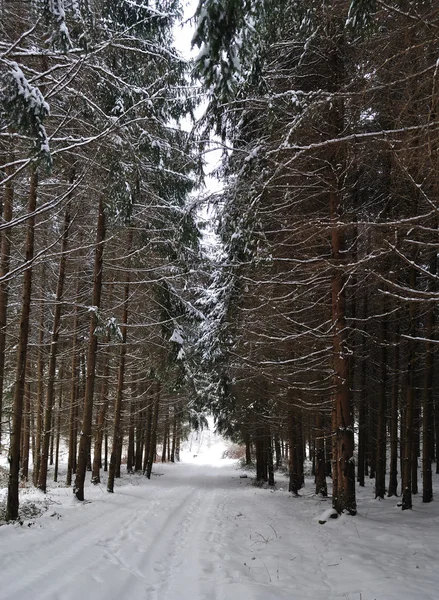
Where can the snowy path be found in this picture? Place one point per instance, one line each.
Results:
(200, 532)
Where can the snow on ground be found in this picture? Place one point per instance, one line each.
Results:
(198, 531)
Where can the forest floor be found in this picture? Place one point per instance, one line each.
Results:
(199, 531)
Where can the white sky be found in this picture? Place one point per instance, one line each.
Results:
(183, 33)
(183, 36)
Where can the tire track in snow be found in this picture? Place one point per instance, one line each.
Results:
(201, 552)
(75, 550)
(167, 549)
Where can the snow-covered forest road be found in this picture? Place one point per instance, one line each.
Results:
(199, 531)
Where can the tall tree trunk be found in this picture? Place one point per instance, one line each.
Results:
(436, 431)
(269, 443)
(89, 455)
(106, 452)
(259, 456)
(117, 433)
(178, 440)
(277, 450)
(141, 419)
(380, 478)
(153, 440)
(294, 482)
(100, 423)
(80, 406)
(300, 449)
(32, 429)
(41, 359)
(26, 433)
(402, 429)
(393, 470)
(362, 434)
(427, 412)
(74, 393)
(53, 354)
(8, 200)
(344, 498)
(248, 455)
(14, 450)
(174, 435)
(409, 411)
(264, 454)
(58, 424)
(416, 440)
(91, 357)
(119, 455)
(130, 455)
(332, 78)
(147, 430)
(321, 487)
(362, 410)
(329, 445)
(165, 435)
(428, 402)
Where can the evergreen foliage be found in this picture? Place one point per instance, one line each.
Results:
(23, 108)
(312, 217)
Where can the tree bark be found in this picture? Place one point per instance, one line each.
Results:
(140, 433)
(26, 433)
(248, 456)
(165, 436)
(259, 457)
(380, 477)
(393, 470)
(427, 413)
(119, 455)
(321, 487)
(278, 453)
(100, 423)
(53, 354)
(344, 497)
(40, 383)
(58, 424)
(294, 482)
(106, 452)
(8, 200)
(362, 433)
(300, 449)
(130, 456)
(117, 433)
(14, 450)
(436, 431)
(71, 461)
(147, 429)
(91, 358)
(269, 443)
(416, 439)
(264, 453)
(174, 435)
(409, 414)
(153, 440)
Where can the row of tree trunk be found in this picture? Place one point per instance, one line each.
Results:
(387, 451)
